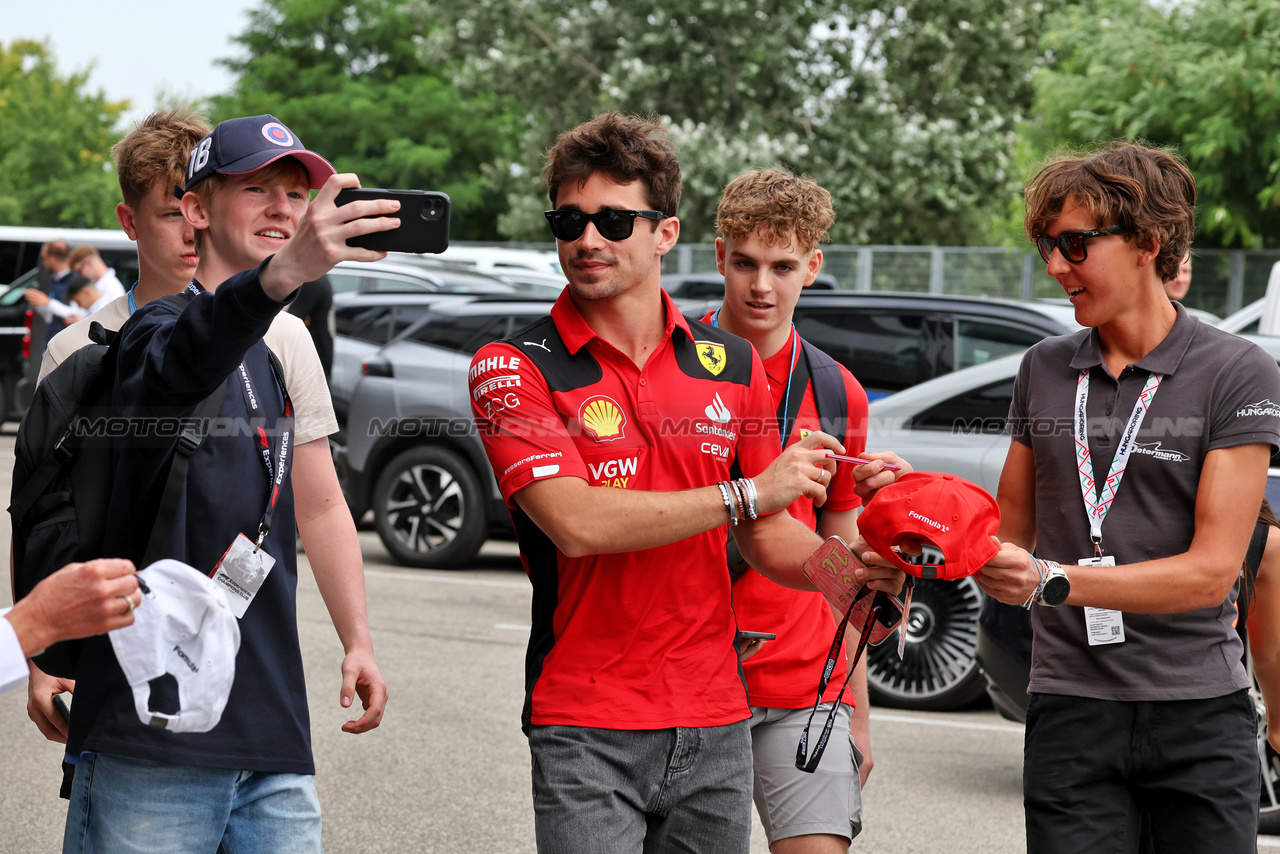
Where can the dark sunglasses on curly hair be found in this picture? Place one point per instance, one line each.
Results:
(612, 224)
(1072, 243)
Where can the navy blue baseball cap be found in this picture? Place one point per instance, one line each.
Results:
(238, 146)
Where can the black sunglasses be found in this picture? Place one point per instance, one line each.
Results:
(612, 224)
(1072, 243)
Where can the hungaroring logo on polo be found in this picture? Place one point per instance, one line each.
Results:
(1262, 407)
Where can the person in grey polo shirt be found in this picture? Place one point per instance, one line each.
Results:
(1140, 452)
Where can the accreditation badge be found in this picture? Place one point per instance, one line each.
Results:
(241, 573)
(1102, 625)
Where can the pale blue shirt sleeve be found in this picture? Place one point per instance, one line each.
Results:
(13, 664)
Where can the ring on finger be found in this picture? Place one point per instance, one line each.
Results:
(128, 600)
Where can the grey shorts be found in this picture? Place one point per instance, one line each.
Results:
(792, 802)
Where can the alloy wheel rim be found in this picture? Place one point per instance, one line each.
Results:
(425, 508)
(941, 646)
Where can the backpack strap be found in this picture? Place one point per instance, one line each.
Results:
(829, 395)
(54, 462)
(1257, 543)
(193, 436)
(792, 399)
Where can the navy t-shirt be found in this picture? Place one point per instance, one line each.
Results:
(171, 360)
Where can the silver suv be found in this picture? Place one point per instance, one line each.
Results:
(412, 453)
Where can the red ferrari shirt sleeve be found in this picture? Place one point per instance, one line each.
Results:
(841, 495)
(523, 433)
(758, 442)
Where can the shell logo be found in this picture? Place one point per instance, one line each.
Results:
(602, 418)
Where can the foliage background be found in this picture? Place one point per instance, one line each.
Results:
(922, 117)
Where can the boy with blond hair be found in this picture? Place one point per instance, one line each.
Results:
(770, 225)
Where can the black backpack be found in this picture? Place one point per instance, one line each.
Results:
(62, 474)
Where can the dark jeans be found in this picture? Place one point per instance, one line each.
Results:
(667, 790)
(1091, 768)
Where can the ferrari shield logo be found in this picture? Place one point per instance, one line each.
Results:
(711, 355)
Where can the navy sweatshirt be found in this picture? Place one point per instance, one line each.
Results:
(171, 360)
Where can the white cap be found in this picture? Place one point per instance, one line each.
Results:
(184, 627)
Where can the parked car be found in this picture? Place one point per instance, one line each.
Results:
(705, 286)
(389, 277)
(413, 455)
(363, 323)
(892, 341)
(955, 424)
(525, 280)
(492, 260)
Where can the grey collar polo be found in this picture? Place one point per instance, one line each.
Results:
(1216, 392)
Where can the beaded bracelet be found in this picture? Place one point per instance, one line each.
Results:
(728, 502)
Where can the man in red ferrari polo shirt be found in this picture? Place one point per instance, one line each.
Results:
(770, 225)
(612, 427)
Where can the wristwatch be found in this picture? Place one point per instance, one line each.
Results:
(1057, 587)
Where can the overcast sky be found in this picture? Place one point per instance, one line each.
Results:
(138, 48)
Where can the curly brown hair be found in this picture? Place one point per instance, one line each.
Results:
(626, 148)
(157, 150)
(1146, 189)
(778, 207)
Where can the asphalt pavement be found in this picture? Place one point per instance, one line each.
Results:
(448, 770)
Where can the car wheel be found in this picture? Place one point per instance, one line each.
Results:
(939, 667)
(428, 507)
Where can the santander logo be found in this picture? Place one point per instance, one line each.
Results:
(717, 411)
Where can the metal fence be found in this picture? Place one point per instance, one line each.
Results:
(1223, 280)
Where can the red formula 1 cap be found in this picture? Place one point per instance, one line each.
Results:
(954, 515)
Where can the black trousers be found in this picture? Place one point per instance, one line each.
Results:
(1091, 768)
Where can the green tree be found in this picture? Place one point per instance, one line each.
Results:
(360, 82)
(907, 114)
(55, 143)
(1202, 76)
